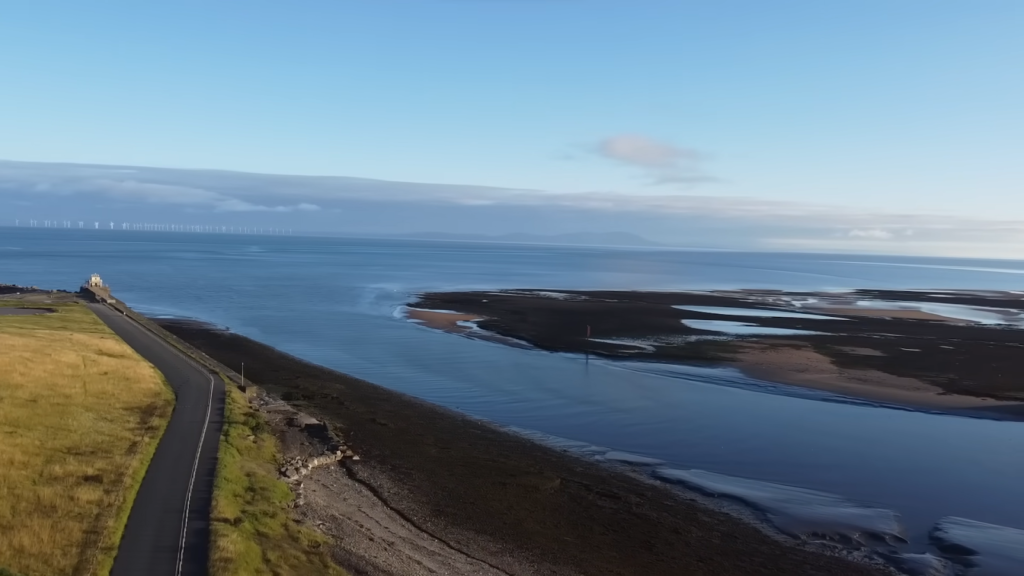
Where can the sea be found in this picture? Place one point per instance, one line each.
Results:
(338, 301)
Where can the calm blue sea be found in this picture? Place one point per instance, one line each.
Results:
(333, 301)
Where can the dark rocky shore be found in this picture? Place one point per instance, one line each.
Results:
(952, 356)
(9, 289)
(512, 504)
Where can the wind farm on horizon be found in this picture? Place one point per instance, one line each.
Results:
(150, 227)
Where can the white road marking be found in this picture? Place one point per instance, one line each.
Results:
(199, 448)
(192, 480)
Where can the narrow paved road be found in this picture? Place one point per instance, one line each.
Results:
(168, 530)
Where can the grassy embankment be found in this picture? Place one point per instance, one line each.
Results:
(80, 417)
(252, 531)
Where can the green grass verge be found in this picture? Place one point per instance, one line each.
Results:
(252, 532)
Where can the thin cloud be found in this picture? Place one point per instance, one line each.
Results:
(661, 162)
(714, 220)
(646, 152)
(871, 233)
(135, 190)
(879, 233)
(235, 205)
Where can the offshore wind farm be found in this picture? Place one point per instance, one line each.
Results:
(513, 288)
(150, 227)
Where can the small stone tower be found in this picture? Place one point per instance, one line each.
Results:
(94, 289)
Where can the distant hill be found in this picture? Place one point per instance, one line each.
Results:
(574, 239)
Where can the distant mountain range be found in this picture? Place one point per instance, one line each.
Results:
(573, 239)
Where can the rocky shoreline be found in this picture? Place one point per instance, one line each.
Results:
(437, 492)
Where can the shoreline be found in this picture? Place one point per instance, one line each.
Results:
(509, 503)
(892, 353)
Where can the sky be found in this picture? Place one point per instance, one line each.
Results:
(867, 125)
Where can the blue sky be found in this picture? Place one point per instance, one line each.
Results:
(909, 108)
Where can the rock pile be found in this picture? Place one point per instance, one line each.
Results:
(295, 468)
(316, 433)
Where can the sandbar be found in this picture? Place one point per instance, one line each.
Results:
(897, 355)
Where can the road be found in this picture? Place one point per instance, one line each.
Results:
(168, 531)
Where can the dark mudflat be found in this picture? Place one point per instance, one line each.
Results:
(971, 360)
(496, 496)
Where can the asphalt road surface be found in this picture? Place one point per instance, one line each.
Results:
(168, 531)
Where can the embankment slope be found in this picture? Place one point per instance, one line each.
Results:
(515, 505)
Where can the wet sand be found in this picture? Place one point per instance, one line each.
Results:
(880, 313)
(442, 320)
(902, 356)
(800, 365)
(501, 501)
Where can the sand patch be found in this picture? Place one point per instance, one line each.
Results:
(462, 324)
(798, 364)
(442, 320)
(881, 313)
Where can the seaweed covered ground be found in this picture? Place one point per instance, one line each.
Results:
(947, 349)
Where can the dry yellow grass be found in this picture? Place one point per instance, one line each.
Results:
(80, 415)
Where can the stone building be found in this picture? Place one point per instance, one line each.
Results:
(95, 281)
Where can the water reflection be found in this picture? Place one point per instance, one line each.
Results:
(331, 301)
(755, 312)
(743, 328)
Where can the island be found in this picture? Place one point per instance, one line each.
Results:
(957, 351)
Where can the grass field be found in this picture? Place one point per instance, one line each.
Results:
(80, 417)
(252, 533)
